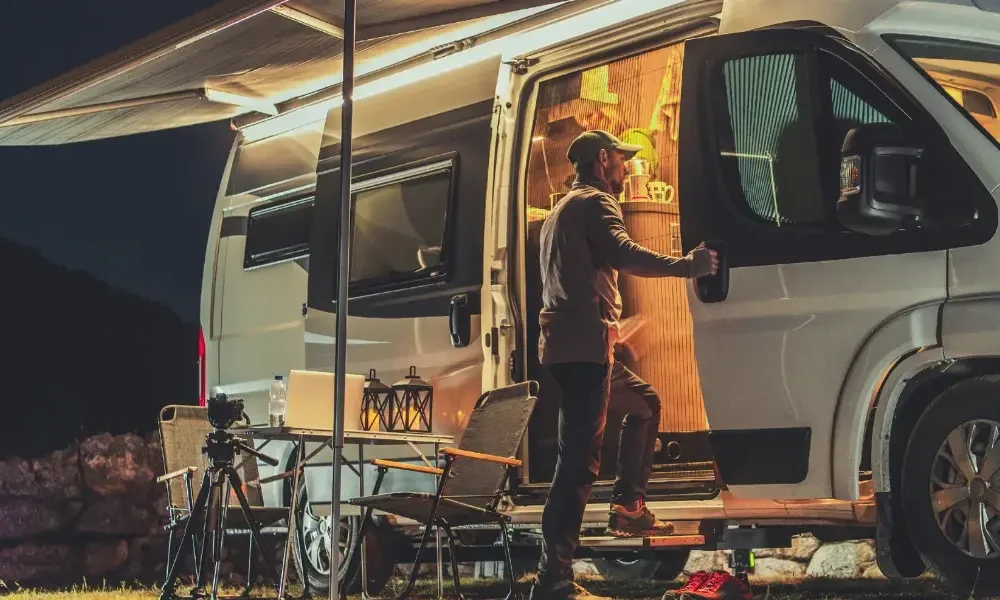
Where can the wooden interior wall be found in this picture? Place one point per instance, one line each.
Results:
(636, 97)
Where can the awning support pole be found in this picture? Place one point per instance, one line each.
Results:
(343, 280)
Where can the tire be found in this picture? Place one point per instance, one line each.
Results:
(663, 566)
(312, 565)
(967, 412)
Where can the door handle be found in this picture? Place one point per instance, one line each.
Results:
(714, 288)
(460, 321)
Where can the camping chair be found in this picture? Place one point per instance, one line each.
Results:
(472, 481)
(183, 430)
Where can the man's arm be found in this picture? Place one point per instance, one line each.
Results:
(608, 238)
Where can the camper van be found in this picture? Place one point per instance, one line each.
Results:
(840, 375)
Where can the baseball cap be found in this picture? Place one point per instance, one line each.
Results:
(588, 145)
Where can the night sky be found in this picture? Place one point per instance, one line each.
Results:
(134, 211)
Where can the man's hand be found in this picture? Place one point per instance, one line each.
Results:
(704, 261)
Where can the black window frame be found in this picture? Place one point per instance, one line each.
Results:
(756, 242)
(282, 255)
(397, 175)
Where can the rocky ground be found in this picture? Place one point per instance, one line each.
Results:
(95, 512)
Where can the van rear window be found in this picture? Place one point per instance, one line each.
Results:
(278, 232)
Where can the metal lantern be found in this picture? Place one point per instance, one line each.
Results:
(376, 404)
(414, 403)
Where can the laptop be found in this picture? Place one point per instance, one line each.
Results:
(309, 400)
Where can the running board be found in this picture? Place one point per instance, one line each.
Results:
(659, 541)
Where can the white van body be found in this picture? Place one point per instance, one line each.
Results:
(847, 349)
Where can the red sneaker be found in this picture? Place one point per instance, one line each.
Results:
(693, 583)
(720, 586)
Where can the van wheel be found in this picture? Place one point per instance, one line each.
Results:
(311, 551)
(663, 566)
(951, 485)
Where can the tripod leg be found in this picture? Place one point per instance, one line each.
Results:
(256, 536)
(219, 537)
(246, 590)
(193, 521)
(211, 529)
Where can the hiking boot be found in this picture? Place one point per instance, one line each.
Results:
(566, 590)
(639, 523)
(693, 583)
(720, 586)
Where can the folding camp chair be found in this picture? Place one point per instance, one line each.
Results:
(472, 481)
(183, 430)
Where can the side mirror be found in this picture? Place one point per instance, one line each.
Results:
(878, 180)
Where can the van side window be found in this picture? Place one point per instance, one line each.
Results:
(785, 119)
(400, 226)
(278, 232)
(772, 144)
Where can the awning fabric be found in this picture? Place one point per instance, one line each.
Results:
(235, 58)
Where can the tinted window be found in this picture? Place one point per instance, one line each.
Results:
(781, 139)
(399, 229)
(278, 232)
(773, 141)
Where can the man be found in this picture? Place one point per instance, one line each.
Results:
(583, 247)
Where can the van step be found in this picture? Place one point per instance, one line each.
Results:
(659, 541)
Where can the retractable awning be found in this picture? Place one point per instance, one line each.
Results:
(238, 57)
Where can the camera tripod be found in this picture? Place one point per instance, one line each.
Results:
(209, 514)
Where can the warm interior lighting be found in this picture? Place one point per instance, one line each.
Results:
(518, 44)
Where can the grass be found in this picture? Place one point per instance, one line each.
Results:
(811, 589)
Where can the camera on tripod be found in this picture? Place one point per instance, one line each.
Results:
(207, 517)
(223, 413)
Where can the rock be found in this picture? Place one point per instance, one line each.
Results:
(119, 465)
(56, 477)
(866, 554)
(844, 560)
(23, 517)
(586, 569)
(100, 558)
(707, 560)
(803, 547)
(778, 569)
(873, 572)
(38, 564)
(147, 559)
(115, 516)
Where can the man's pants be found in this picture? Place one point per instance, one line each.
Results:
(587, 389)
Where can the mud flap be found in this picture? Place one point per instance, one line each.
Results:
(895, 552)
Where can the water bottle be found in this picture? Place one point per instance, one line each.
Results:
(276, 406)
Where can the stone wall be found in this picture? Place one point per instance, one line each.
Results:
(92, 511)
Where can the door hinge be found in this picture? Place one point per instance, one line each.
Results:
(305, 309)
(515, 366)
(521, 65)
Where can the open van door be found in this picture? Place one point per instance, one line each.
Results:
(764, 115)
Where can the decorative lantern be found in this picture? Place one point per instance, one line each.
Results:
(376, 405)
(413, 404)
